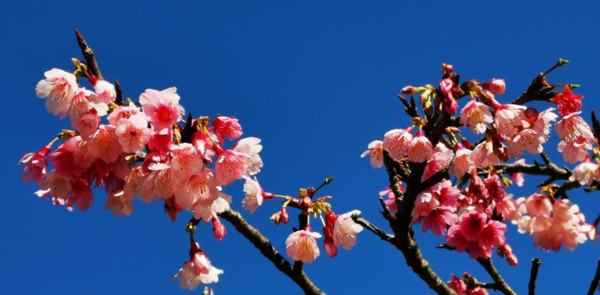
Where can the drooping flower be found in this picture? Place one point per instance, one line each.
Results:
(229, 166)
(105, 90)
(462, 162)
(58, 88)
(585, 173)
(197, 270)
(397, 141)
(507, 117)
(449, 104)
(250, 147)
(253, 195)
(302, 246)
(227, 127)
(104, 144)
(198, 190)
(375, 153)
(35, 165)
(420, 148)
(574, 151)
(573, 127)
(477, 115)
(345, 230)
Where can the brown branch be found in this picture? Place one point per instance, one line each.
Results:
(88, 54)
(535, 266)
(372, 228)
(295, 272)
(534, 169)
(595, 281)
(493, 272)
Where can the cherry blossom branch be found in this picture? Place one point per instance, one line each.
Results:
(88, 54)
(595, 281)
(295, 272)
(493, 272)
(535, 266)
(372, 228)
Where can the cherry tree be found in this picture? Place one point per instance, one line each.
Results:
(451, 173)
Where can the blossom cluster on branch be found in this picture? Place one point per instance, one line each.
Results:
(450, 170)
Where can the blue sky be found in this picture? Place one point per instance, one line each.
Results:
(317, 82)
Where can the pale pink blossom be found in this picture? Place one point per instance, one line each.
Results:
(253, 195)
(198, 190)
(229, 166)
(162, 107)
(477, 115)
(518, 176)
(510, 208)
(462, 162)
(397, 141)
(197, 270)
(250, 147)
(123, 112)
(574, 151)
(185, 162)
(81, 103)
(227, 127)
(585, 173)
(438, 162)
(375, 153)
(133, 133)
(420, 148)
(157, 183)
(105, 90)
(526, 140)
(56, 187)
(120, 203)
(302, 246)
(573, 127)
(204, 211)
(508, 117)
(104, 144)
(390, 202)
(484, 155)
(58, 88)
(345, 230)
(540, 122)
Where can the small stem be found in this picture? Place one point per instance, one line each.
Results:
(88, 54)
(535, 266)
(372, 228)
(326, 182)
(493, 272)
(595, 281)
(561, 62)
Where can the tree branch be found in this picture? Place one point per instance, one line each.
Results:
(88, 54)
(493, 272)
(595, 281)
(535, 266)
(372, 228)
(295, 272)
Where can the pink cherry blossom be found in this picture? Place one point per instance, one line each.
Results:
(64, 161)
(120, 202)
(185, 162)
(302, 246)
(462, 162)
(157, 183)
(133, 133)
(56, 187)
(161, 140)
(328, 243)
(86, 124)
(162, 107)
(122, 112)
(585, 173)
(250, 147)
(198, 190)
(58, 88)
(105, 90)
(420, 148)
(508, 117)
(438, 162)
(375, 153)
(471, 225)
(253, 195)
(574, 151)
(104, 144)
(345, 230)
(477, 115)
(197, 270)
(397, 141)
(484, 155)
(35, 165)
(449, 104)
(219, 229)
(227, 127)
(230, 165)
(204, 209)
(390, 202)
(572, 127)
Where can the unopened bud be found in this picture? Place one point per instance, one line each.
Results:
(285, 218)
(496, 86)
(447, 69)
(218, 229)
(276, 217)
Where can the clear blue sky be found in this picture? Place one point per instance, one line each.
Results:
(316, 80)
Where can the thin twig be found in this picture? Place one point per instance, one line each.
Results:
(296, 273)
(372, 228)
(493, 272)
(88, 54)
(594, 284)
(535, 266)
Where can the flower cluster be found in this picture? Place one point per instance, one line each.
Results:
(472, 215)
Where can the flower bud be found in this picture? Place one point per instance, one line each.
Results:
(495, 86)
(218, 229)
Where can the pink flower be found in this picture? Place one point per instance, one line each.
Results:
(157, 183)
(198, 190)
(185, 162)
(573, 127)
(420, 148)
(477, 235)
(462, 162)
(495, 86)
(526, 140)
(585, 173)
(484, 154)
(218, 228)
(518, 177)
(345, 230)
(55, 186)
(375, 153)
(253, 195)
(449, 104)
(35, 165)
(133, 133)
(229, 167)
(87, 123)
(508, 117)
(567, 102)
(574, 151)
(397, 142)
(58, 88)
(161, 140)
(197, 270)
(302, 246)
(390, 202)
(104, 144)
(227, 127)
(162, 107)
(205, 208)
(477, 115)
(250, 147)
(105, 90)
(471, 225)
(438, 162)
(123, 112)
(119, 202)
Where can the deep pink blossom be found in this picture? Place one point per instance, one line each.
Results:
(440, 159)
(567, 102)
(218, 228)
(449, 104)
(35, 165)
(162, 107)
(495, 86)
(104, 144)
(58, 88)
(227, 127)
(185, 162)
